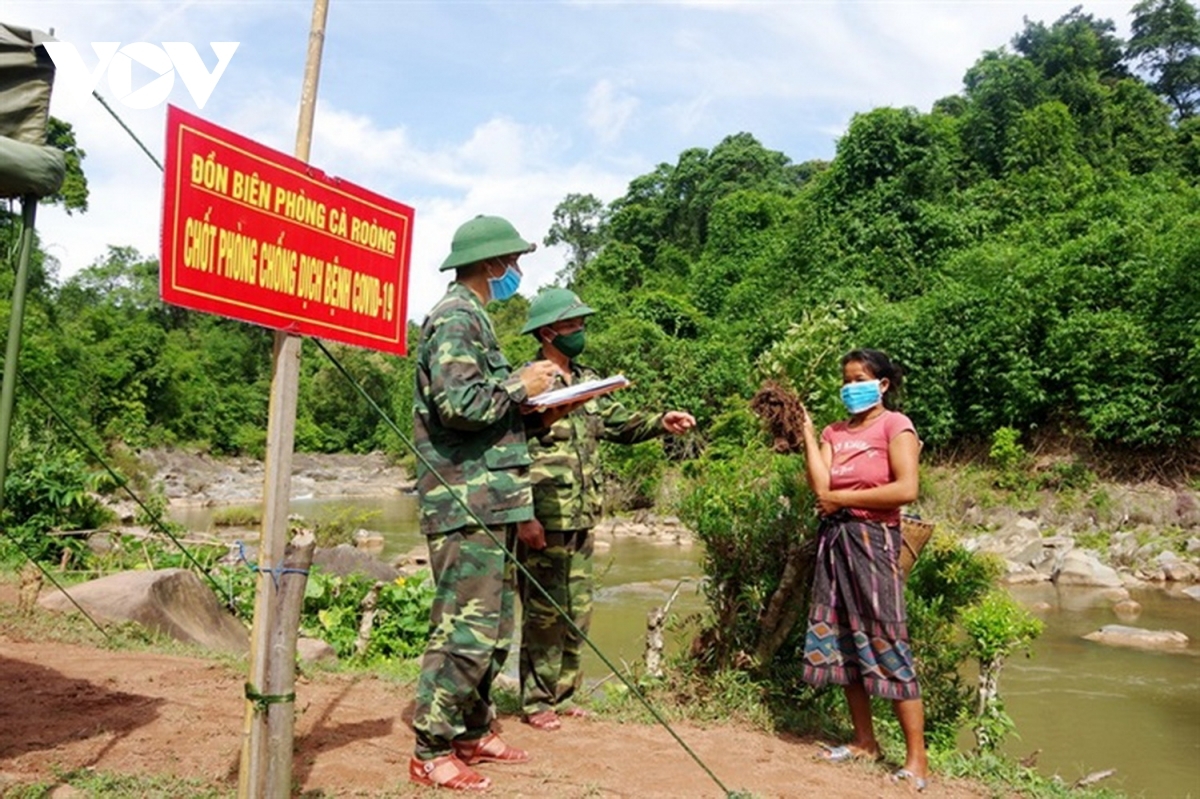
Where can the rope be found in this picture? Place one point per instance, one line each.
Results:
(263, 702)
(154, 516)
(275, 571)
(521, 567)
(132, 135)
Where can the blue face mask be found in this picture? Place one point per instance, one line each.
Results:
(858, 397)
(506, 285)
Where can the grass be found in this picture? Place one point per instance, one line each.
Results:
(1004, 776)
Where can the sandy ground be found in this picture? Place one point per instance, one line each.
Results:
(67, 707)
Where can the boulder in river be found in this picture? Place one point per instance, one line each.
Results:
(1120, 635)
(1127, 609)
(1079, 567)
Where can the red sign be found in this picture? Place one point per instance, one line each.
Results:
(259, 236)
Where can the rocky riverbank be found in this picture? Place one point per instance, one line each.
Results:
(1114, 536)
(197, 479)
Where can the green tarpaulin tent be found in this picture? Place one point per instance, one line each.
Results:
(27, 165)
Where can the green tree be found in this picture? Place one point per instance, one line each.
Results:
(73, 194)
(580, 222)
(1000, 87)
(1165, 43)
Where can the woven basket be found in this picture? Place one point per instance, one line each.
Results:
(915, 534)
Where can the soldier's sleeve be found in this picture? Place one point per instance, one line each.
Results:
(462, 384)
(626, 427)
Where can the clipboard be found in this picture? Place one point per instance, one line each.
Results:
(578, 392)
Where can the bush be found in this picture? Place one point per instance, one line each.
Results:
(945, 581)
(752, 513)
(637, 472)
(333, 612)
(51, 489)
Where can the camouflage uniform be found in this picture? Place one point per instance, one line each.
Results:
(567, 501)
(468, 426)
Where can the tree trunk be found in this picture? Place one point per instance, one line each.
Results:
(368, 619)
(789, 599)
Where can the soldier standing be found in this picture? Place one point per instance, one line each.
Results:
(556, 547)
(469, 428)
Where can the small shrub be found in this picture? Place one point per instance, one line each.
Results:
(996, 628)
(1010, 459)
(1073, 474)
(339, 527)
(237, 517)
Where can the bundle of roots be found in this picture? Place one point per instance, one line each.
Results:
(782, 414)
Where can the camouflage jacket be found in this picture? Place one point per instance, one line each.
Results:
(467, 421)
(567, 486)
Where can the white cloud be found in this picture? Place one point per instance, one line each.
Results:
(467, 118)
(608, 111)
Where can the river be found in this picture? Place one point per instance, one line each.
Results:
(1086, 706)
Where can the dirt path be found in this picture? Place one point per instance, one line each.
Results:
(68, 707)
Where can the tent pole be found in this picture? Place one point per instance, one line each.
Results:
(15, 321)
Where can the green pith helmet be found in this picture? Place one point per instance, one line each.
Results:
(482, 238)
(554, 305)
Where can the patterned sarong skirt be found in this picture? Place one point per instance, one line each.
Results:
(857, 630)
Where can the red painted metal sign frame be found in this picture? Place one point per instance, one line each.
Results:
(256, 235)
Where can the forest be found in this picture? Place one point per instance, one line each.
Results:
(1028, 249)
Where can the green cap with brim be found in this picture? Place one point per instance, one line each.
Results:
(482, 238)
(554, 305)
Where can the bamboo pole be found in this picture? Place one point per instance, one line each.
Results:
(271, 668)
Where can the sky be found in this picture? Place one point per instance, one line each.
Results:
(463, 107)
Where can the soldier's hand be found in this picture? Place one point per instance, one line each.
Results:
(532, 534)
(676, 422)
(552, 415)
(538, 376)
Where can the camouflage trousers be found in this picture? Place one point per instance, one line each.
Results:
(470, 632)
(550, 650)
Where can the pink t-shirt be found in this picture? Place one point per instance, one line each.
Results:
(860, 458)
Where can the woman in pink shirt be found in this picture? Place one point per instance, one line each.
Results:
(862, 471)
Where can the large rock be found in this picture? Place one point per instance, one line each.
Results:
(1079, 567)
(1120, 635)
(314, 650)
(1020, 574)
(1017, 539)
(173, 602)
(345, 560)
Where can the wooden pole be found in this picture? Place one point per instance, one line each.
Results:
(268, 664)
(281, 717)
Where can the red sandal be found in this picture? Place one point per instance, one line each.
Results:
(437, 773)
(575, 712)
(489, 749)
(545, 720)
